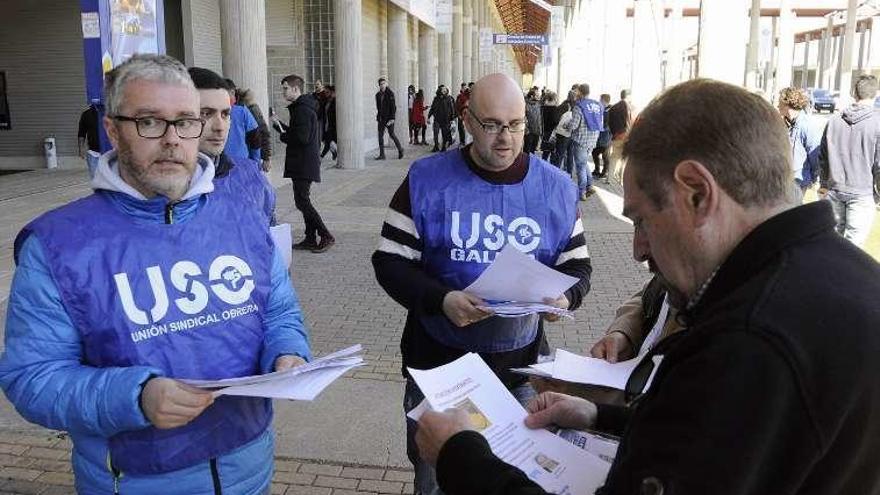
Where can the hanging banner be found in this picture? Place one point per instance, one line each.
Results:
(135, 27)
(486, 43)
(557, 25)
(444, 16)
(547, 56)
(5, 119)
(520, 39)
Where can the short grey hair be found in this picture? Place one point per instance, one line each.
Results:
(148, 67)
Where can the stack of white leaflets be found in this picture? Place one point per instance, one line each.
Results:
(301, 383)
(553, 462)
(515, 310)
(515, 284)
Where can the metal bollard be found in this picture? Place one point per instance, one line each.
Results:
(50, 152)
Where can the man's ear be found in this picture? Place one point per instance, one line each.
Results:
(112, 131)
(697, 188)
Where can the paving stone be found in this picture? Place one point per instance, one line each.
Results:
(294, 478)
(363, 473)
(325, 469)
(284, 465)
(278, 489)
(65, 479)
(15, 473)
(381, 486)
(48, 465)
(335, 482)
(51, 454)
(404, 476)
(22, 487)
(307, 490)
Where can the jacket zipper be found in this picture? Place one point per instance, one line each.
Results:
(215, 476)
(169, 213)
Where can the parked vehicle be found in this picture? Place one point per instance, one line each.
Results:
(822, 99)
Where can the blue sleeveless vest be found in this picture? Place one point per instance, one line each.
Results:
(465, 221)
(246, 181)
(188, 299)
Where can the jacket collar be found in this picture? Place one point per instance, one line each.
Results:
(761, 246)
(107, 178)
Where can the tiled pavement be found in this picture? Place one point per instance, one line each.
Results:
(357, 446)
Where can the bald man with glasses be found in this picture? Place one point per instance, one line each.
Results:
(446, 223)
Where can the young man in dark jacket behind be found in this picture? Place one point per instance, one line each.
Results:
(303, 161)
(849, 160)
(772, 386)
(386, 110)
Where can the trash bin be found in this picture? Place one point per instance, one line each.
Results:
(50, 152)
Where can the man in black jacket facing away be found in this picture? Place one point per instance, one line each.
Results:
(385, 112)
(302, 164)
(772, 387)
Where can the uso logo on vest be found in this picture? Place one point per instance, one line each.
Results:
(230, 279)
(523, 232)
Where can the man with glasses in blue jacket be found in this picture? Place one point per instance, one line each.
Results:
(159, 275)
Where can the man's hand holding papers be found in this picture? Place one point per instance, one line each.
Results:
(464, 309)
(486, 406)
(435, 428)
(288, 361)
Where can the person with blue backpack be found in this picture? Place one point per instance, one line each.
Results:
(587, 121)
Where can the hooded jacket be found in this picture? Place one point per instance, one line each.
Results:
(44, 374)
(849, 157)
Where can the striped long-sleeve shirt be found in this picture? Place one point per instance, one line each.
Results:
(397, 262)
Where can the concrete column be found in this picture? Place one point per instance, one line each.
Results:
(646, 71)
(444, 59)
(874, 43)
(383, 37)
(413, 44)
(674, 45)
(398, 59)
(475, 40)
(754, 42)
(618, 51)
(349, 84)
(243, 34)
(805, 80)
(785, 59)
(846, 66)
(824, 44)
(467, 39)
(862, 47)
(427, 65)
(457, 45)
(722, 40)
(839, 60)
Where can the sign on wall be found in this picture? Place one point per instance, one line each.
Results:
(520, 39)
(5, 120)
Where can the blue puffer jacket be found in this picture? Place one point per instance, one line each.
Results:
(43, 374)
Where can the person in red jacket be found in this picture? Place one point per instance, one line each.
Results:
(417, 116)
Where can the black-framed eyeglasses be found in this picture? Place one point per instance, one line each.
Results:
(496, 128)
(154, 127)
